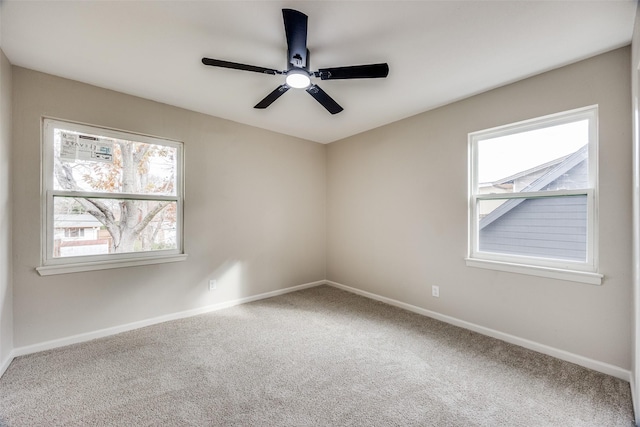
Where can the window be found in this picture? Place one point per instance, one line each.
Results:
(74, 232)
(110, 198)
(532, 204)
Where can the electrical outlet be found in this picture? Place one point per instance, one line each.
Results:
(435, 291)
(213, 284)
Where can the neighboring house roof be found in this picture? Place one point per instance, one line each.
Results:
(524, 173)
(562, 166)
(76, 221)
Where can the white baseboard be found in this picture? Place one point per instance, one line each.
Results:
(541, 348)
(595, 365)
(6, 362)
(101, 333)
(632, 384)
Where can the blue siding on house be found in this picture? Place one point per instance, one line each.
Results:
(549, 227)
(546, 227)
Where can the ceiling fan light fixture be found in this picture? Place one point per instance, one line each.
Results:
(298, 79)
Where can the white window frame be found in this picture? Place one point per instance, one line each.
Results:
(49, 264)
(586, 272)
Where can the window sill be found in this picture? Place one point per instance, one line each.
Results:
(548, 272)
(48, 270)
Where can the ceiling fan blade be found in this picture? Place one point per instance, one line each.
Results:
(324, 99)
(269, 99)
(295, 27)
(370, 71)
(237, 66)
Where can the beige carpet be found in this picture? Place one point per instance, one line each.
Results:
(318, 357)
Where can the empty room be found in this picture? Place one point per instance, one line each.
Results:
(319, 213)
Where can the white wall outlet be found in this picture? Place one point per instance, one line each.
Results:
(213, 284)
(435, 291)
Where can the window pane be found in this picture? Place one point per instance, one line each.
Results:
(92, 163)
(84, 226)
(546, 159)
(545, 227)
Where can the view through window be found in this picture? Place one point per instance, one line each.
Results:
(533, 189)
(110, 193)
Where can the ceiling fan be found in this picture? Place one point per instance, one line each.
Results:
(297, 74)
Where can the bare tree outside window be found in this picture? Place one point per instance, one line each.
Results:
(123, 192)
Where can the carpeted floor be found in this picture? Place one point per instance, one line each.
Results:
(317, 357)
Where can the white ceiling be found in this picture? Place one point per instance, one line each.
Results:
(437, 51)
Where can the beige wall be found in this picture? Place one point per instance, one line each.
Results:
(397, 215)
(6, 301)
(254, 214)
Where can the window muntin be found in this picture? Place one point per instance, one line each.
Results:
(532, 192)
(109, 195)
